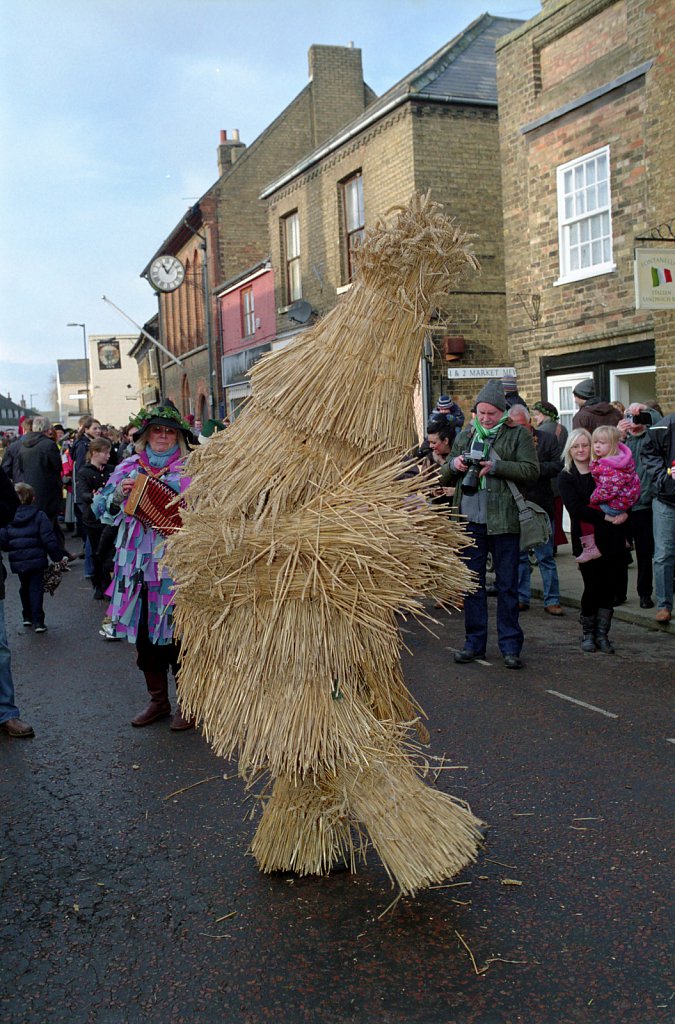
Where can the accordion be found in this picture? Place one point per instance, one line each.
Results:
(148, 501)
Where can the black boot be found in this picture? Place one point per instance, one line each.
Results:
(603, 623)
(159, 706)
(588, 638)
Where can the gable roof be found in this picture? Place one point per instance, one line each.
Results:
(463, 71)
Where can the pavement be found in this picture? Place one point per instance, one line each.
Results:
(571, 586)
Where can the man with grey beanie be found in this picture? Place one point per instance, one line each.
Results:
(593, 411)
(486, 455)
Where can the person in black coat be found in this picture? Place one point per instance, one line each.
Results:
(602, 576)
(10, 722)
(40, 465)
(30, 538)
(91, 478)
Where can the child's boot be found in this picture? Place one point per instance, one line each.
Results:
(590, 549)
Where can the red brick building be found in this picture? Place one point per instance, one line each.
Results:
(587, 148)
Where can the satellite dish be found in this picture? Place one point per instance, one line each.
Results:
(300, 311)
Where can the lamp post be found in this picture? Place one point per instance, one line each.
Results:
(86, 359)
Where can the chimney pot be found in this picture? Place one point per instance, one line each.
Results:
(223, 136)
(235, 135)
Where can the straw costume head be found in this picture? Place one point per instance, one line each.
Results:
(294, 559)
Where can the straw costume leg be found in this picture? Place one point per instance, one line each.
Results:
(294, 558)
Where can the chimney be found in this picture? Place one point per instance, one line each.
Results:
(229, 150)
(338, 91)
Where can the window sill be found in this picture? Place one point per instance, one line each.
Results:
(585, 275)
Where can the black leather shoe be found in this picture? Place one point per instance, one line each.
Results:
(466, 656)
(646, 602)
(512, 661)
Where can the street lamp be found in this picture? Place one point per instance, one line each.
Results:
(86, 359)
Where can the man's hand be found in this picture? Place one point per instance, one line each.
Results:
(487, 466)
(126, 486)
(617, 520)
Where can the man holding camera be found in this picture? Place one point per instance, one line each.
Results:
(483, 458)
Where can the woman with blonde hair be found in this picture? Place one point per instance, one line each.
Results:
(602, 576)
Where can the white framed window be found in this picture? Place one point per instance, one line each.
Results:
(585, 217)
(291, 229)
(247, 312)
(354, 219)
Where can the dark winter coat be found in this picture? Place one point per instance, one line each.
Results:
(29, 538)
(9, 502)
(658, 456)
(40, 463)
(596, 413)
(575, 490)
(550, 462)
(88, 480)
(10, 461)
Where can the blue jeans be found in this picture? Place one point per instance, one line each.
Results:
(548, 570)
(663, 520)
(505, 550)
(8, 708)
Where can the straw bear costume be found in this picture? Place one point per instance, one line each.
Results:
(295, 558)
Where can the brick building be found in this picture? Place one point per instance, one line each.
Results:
(587, 141)
(434, 130)
(225, 233)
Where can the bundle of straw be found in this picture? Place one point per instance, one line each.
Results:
(302, 539)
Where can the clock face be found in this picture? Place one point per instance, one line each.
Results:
(166, 273)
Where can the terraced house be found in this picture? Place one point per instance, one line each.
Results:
(435, 130)
(588, 148)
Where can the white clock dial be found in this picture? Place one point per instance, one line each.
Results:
(166, 273)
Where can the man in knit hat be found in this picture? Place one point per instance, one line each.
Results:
(592, 411)
(510, 385)
(484, 457)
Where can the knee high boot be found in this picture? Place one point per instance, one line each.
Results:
(159, 707)
(588, 626)
(604, 621)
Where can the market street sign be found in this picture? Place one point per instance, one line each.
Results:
(654, 271)
(471, 372)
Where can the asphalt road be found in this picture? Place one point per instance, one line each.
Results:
(128, 896)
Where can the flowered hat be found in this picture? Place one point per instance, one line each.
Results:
(164, 415)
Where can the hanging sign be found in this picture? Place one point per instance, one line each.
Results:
(654, 271)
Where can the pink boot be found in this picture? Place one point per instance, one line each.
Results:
(590, 550)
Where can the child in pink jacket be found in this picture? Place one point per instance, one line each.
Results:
(617, 485)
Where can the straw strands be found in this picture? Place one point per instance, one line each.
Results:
(302, 538)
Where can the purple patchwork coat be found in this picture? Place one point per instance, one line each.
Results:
(139, 551)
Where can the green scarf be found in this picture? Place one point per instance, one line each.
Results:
(487, 436)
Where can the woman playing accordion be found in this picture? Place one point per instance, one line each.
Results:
(141, 594)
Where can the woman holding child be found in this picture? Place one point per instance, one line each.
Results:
(604, 570)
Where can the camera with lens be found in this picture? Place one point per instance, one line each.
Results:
(640, 418)
(473, 458)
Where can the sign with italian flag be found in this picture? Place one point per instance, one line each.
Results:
(654, 271)
(661, 275)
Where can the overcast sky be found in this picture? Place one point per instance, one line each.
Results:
(110, 114)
